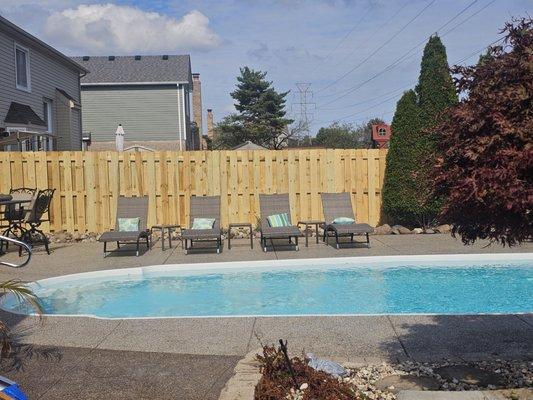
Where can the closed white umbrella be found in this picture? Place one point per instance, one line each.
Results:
(119, 138)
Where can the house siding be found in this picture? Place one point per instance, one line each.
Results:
(46, 74)
(147, 112)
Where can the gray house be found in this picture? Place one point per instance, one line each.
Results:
(148, 95)
(40, 104)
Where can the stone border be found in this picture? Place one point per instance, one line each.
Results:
(241, 386)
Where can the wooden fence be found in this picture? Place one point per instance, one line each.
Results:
(87, 183)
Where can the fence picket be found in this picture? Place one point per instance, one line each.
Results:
(88, 183)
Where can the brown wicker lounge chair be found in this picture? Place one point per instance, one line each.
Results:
(272, 204)
(129, 207)
(337, 205)
(204, 207)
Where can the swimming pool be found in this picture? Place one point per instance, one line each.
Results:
(450, 284)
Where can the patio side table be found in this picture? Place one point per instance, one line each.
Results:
(162, 228)
(307, 224)
(241, 225)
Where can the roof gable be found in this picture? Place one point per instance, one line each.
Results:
(136, 69)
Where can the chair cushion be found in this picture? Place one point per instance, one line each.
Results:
(278, 220)
(128, 224)
(343, 221)
(203, 223)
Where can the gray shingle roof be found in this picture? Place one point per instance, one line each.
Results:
(22, 114)
(127, 69)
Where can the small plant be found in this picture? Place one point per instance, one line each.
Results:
(24, 295)
(288, 379)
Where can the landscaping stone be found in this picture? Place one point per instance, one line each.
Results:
(445, 228)
(470, 375)
(400, 230)
(241, 386)
(514, 394)
(395, 383)
(384, 229)
(418, 230)
(429, 231)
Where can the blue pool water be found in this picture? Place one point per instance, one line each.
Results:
(346, 288)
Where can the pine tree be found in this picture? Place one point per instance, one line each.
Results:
(400, 188)
(261, 113)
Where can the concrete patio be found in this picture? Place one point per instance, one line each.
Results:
(191, 358)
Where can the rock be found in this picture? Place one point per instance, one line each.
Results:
(418, 230)
(445, 228)
(470, 375)
(400, 230)
(384, 229)
(327, 366)
(395, 383)
(429, 231)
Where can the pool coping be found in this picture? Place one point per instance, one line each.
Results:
(267, 265)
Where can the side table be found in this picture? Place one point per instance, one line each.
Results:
(168, 228)
(307, 224)
(241, 225)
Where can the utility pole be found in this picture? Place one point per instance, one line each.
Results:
(305, 107)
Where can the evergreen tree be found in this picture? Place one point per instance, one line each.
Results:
(261, 113)
(399, 187)
(408, 198)
(435, 88)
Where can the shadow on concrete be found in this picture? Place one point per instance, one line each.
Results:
(463, 337)
(17, 353)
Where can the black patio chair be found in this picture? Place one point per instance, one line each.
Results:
(39, 213)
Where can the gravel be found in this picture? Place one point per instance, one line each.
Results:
(516, 374)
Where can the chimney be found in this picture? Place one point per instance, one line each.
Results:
(197, 102)
(210, 124)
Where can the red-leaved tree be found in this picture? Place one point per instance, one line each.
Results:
(485, 170)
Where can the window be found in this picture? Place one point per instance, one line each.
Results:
(22, 67)
(382, 132)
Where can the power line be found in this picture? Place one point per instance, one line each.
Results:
(372, 34)
(379, 48)
(344, 38)
(392, 97)
(406, 55)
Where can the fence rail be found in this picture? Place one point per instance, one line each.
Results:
(87, 183)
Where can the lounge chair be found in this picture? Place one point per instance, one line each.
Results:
(206, 207)
(128, 208)
(339, 205)
(276, 204)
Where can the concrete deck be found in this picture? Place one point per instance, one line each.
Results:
(153, 348)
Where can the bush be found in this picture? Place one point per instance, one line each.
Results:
(485, 172)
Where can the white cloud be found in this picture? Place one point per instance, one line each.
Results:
(109, 28)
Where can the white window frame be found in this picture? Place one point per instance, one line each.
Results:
(28, 76)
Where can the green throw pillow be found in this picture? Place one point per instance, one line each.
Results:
(279, 220)
(203, 223)
(128, 224)
(343, 221)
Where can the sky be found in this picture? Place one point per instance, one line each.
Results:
(356, 57)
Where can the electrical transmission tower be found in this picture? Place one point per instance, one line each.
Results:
(305, 109)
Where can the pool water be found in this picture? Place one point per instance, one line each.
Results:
(349, 287)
